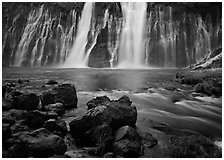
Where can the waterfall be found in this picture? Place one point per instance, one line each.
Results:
(132, 38)
(28, 34)
(131, 48)
(113, 39)
(77, 57)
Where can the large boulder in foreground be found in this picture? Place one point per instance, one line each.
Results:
(39, 143)
(104, 116)
(103, 100)
(92, 118)
(64, 93)
(120, 111)
(127, 142)
(113, 113)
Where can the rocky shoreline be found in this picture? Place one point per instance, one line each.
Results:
(32, 125)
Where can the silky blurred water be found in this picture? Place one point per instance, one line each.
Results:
(144, 87)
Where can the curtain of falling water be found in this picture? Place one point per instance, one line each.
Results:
(163, 41)
(131, 53)
(77, 55)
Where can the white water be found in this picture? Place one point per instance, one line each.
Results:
(134, 40)
(77, 57)
(131, 48)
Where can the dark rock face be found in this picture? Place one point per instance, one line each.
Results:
(109, 155)
(39, 143)
(6, 104)
(13, 115)
(98, 101)
(96, 126)
(149, 140)
(57, 108)
(26, 101)
(65, 94)
(122, 115)
(52, 82)
(127, 142)
(121, 111)
(6, 131)
(94, 117)
(36, 119)
(102, 138)
(124, 100)
(57, 126)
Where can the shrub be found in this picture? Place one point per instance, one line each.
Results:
(193, 146)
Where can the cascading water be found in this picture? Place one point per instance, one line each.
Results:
(77, 57)
(133, 38)
(28, 34)
(131, 48)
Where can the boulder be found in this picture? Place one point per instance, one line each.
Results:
(57, 108)
(6, 104)
(56, 125)
(127, 142)
(52, 82)
(122, 114)
(104, 100)
(121, 111)
(124, 100)
(35, 119)
(65, 94)
(92, 118)
(26, 101)
(149, 141)
(109, 155)
(19, 127)
(13, 115)
(6, 131)
(102, 137)
(39, 143)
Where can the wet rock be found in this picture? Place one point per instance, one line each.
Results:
(98, 101)
(13, 115)
(39, 143)
(127, 142)
(92, 118)
(17, 151)
(122, 114)
(12, 93)
(19, 127)
(76, 154)
(124, 100)
(51, 115)
(121, 111)
(109, 155)
(65, 94)
(149, 141)
(26, 101)
(60, 156)
(102, 138)
(52, 82)
(6, 104)
(20, 81)
(36, 119)
(58, 126)
(6, 131)
(57, 108)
